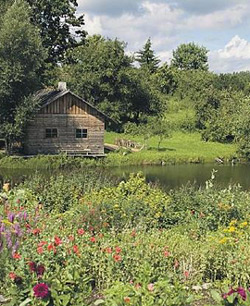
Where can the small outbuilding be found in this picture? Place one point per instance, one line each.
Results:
(65, 123)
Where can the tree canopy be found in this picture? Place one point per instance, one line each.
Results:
(146, 57)
(21, 56)
(190, 56)
(59, 26)
(103, 74)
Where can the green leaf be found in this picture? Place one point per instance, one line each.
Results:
(27, 301)
(65, 299)
(99, 302)
(216, 296)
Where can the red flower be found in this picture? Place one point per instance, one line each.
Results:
(150, 287)
(32, 266)
(186, 274)
(57, 240)
(137, 286)
(166, 253)
(117, 257)
(40, 270)
(118, 250)
(71, 238)
(76, 250)
(51, 247)
(92, 239)
(39, 250)
(127, 299)
(108, 250)
(176, 263)
(12, 275)
(36, 231)
(16, 256)
(81, 231)
(41, 290)
(42, 243)
(133, 234)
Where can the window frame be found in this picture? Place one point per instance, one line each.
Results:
(51, 133)
(81, 133)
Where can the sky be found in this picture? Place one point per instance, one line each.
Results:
(222, 26)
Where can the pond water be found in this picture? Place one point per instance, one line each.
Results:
(174, 176)
(168, 177)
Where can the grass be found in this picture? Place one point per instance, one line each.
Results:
(180, 148)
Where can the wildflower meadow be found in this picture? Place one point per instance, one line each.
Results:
(123, 243)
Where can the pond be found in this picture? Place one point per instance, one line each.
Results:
(168, 177)
(173, 176)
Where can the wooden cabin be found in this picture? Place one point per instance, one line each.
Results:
(65, 123)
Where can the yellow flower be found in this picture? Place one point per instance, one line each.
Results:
(223, 240)
(233, 222)
(243, 224)
(231, 229)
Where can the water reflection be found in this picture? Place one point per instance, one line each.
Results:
(168, 177)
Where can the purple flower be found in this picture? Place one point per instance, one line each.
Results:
(17, 229)
(25, 215)
(242, 293)
(11, 217)
(41, 290)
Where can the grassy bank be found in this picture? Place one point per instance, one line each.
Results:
(180, 148)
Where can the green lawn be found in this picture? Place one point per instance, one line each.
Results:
(181, 147)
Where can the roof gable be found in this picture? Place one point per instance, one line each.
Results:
(48, 97)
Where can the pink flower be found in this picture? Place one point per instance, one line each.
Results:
(41, 290)
(118, 250)
(57, 240)
(150, 287)
(81, 231)
(39, 250)
(40, 270)
(32, 266)
(242, 293)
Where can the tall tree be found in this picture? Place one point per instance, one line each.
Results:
(21, 56)
(59, 26)
(190, 57)
(103, 74)
(146, 57)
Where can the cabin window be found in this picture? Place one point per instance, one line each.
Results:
(81, 133)
(51, 133)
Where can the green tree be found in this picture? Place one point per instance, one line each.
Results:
(103, 74)
(166, 79)
(59, 26)
(190, 57)
(21, 57)
(146, 57)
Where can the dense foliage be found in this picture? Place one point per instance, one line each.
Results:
(19, 77)
(123, 244)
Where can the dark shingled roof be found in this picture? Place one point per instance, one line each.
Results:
(48, 96)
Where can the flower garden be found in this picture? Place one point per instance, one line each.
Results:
(86, 239)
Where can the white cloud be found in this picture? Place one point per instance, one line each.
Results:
(171, 22)
(157, 20)
(235, 56)
(199, 7)
(226, 18)
(93, 24)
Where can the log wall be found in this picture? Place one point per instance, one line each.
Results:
(66, 114)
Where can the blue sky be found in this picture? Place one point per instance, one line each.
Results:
(223, 26)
